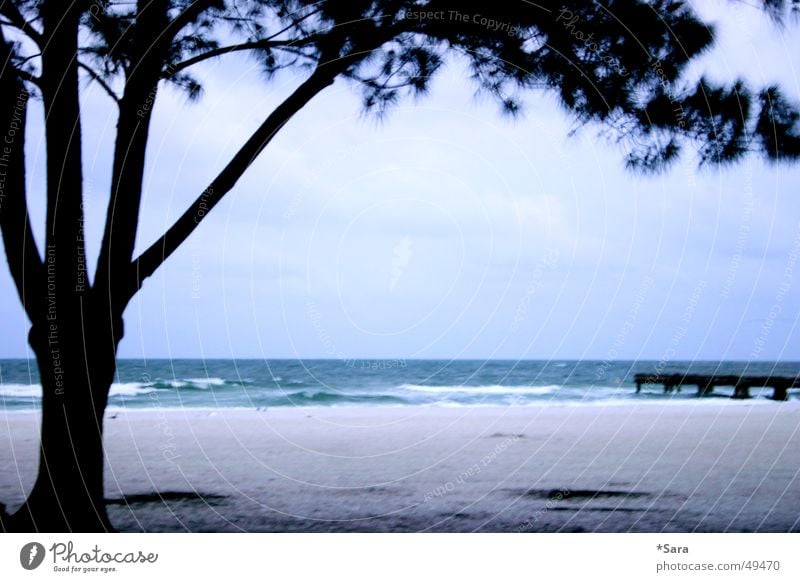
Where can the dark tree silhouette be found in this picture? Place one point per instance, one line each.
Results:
(621, 65)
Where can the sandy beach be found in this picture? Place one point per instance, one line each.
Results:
(716, 466)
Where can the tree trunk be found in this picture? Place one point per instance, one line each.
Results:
(76, 368)
(71, 334)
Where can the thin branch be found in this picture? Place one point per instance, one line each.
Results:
(295, 23)
(96, 77)
(382, 86)
(252, 45)
(186, 17)
(26, 59)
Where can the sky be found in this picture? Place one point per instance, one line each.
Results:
(446, 230)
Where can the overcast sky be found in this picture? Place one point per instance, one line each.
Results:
(449, 231)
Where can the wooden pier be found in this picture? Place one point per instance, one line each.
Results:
(706, 382)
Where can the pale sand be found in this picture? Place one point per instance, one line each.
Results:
(720, 466)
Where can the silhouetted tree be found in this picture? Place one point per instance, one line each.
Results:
(620, 64)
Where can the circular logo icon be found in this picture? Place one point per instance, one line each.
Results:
(31, 555)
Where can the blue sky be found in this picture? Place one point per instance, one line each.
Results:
(448, 231)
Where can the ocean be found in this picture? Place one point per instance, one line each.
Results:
(213, 384)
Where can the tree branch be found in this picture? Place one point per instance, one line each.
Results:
(96, 77)
(252, 45)
(130, 148)
(24, 261)
(64, 234)
(147, 263)
(25, 76)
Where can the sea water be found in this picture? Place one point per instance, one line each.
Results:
(214, 384)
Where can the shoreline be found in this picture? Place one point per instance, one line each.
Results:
(655, 399)
(652, 467)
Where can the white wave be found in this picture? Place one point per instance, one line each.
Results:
(130, 389)
(203, 382)
(478, 390)
(20, 390)
(35, 390)
(600, 392)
